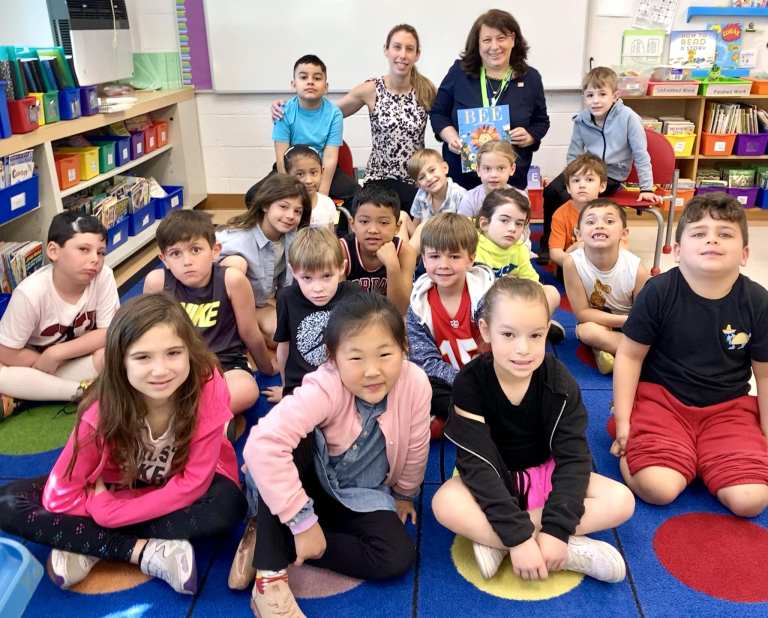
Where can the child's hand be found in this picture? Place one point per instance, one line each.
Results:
(619, 446)
(310, 544)
(274, 393)
(277, 109)
(48, 361)
(387, 253)
(527, 561)
(649, 196)
(553, 550)
(405, 508)
(520, 137)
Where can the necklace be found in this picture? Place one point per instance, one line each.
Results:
(485, 85)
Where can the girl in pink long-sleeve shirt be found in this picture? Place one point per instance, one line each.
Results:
(147, 466)
(338, 463)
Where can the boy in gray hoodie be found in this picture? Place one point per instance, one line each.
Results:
(610, 130)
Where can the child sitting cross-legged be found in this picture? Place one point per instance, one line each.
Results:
(442, 319)
(525, 487)
(53, 332)
(602, 279)
(218, 300)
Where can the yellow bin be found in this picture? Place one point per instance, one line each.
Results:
(682, 144)
(89, 160)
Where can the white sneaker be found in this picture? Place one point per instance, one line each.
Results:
(173, 562)
(596, 559)
(488, 559)
(66, 568)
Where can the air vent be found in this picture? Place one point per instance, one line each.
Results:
(97, 14)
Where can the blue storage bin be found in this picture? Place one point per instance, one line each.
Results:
(20, 573)
(762, 198)
(19, 199)
(141, 219)
(122, 147)
(89, 101)
(117, 234)
(5, 119)
(4, 300)
(173, 201)
(69, 103)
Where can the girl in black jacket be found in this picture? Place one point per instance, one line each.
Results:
(526, 485)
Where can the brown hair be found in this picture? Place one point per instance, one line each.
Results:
(425, 90)
(184, 226)
(497, 197)
(502, 147)
(450, 232)
(601, 77)
(265, 193)
(720, 206)
(602, 202)
(122, 409)
(420, 158)
(587, 162)
(504, 22)
(514, 287)
(315, 249)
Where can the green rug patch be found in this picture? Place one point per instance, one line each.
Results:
(37, 430)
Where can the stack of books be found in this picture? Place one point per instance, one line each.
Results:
(723, 118)
(18, 260)
(16, 168)
(710, 177)
(676, 125)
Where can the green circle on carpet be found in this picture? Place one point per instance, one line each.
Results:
(36, 430)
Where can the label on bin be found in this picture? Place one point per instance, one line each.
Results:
(139, 148)
(109, 158)
(126, 153)
(719, 147)
(679, 146)
(742, 199)
(116, 239)
(71, 175)
(174, 201)
(145, 220)
(151, 141)
(18, 201)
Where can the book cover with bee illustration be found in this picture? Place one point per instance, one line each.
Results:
(477, 126)
(729, 39)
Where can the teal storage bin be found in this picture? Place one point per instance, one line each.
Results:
(20, 573)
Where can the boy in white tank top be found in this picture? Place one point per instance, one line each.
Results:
(602, 279)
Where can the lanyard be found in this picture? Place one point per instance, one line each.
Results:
(484, 84)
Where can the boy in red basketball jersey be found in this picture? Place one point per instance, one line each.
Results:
(442, 327)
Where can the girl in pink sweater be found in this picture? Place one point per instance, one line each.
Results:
(146, 462)
(338, 463)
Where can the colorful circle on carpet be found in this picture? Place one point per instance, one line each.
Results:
(109, 577)
(505, 584)
(720, 555)
(37, 430)
(308, 582)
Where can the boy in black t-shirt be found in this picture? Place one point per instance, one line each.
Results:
(317, 262)
(681, 378)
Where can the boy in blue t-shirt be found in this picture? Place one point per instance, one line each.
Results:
(311, 119)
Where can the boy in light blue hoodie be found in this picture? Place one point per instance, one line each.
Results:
(610, 130)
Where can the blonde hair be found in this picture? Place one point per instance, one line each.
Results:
(425, 90)
(315, 249)
(420, 158)
(504, 148)
(450, 232)
(601, 77)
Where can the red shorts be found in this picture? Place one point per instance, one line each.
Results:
(722, 444)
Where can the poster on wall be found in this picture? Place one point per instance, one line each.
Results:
(655, 14)
(642, 47)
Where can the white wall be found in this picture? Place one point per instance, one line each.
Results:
(24, 23)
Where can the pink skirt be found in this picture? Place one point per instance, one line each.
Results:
(540, 484)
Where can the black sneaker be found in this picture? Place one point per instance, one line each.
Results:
(556, 334)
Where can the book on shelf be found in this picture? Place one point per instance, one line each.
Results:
(18, 260)
(692, 48)
(477, 126)
(729, 39)
(721, 118)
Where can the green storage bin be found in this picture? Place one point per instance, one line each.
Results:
(51, 106)
(106, 156)
(725, 87)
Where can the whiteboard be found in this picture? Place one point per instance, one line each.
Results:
(254, 43)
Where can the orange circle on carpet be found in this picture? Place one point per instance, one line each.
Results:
(308, 582)
(111, 577)
(720, 555)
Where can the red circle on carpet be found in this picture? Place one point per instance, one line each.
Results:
(720, 555)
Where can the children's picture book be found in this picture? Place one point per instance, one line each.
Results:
(692, 48)
(477, 126)
(729, 39)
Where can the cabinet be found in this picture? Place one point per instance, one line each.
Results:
(179, 162)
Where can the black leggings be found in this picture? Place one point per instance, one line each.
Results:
(22, 513)
(370, 545)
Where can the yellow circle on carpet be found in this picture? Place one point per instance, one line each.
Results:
(111, 577)
(505, 584)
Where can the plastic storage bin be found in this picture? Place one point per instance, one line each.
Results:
(89, 101)
(161, 128)
(23, 115)
(759, 86)
(20, 573)
(106, 156)
(117, 234)
(747, 196)
(5, 120)
(716, 144)
(536, 199)
(633, 85)
(682, 144)
(67, 169)
(754, 144)
(173, 201)
(4, 300)
(137, 144)
(703, 190)
(150, 139)
(19, 199)
(725, 87)
(122, 147)
(89, 160)
(69, 103)
(141, 219)
(673, 89)
(38, 96)
(49, 106)
(762, 198)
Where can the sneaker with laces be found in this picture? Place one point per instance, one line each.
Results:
(242, 572)
(171, 561)
(597, 559)
(604, 361)
(488, 559)
(556, 333)
(66, 568)
(272, 597)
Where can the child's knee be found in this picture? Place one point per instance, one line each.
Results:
(586, 332)
(656, 487)
(553, 297)
(744, 500)
(397, 561)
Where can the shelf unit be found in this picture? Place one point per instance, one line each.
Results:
(725, 11)
(180, 162)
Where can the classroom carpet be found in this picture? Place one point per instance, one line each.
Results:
(689, 558)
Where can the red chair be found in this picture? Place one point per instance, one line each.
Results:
(344, 162)
(664, 173)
